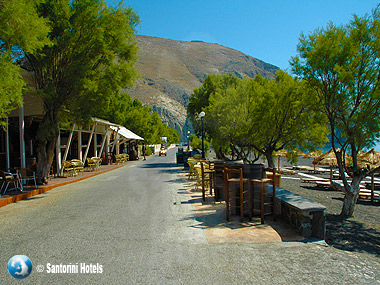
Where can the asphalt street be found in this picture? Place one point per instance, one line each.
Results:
(135, 224)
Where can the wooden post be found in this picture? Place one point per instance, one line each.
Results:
(79, 144)
(115, 140)
(21, 124)
(68, 144)
(89, 143)
(58, 153)
(7, 145)
(103, 142)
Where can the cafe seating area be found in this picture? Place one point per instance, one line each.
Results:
(243, 187)
(74, 167)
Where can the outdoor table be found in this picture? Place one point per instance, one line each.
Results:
(250, 171)
(219, 183)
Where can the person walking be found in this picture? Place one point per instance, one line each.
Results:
(144, 150)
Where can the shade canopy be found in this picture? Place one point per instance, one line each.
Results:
(127, 134)
(313, 154)
(370, 158)
(281, 153)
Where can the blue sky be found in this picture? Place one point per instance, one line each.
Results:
(267, 30)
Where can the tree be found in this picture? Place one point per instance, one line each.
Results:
(199, 100)
(258, 116)
(142, 121)
(341, 63)
(91, 59)
(251, 117)
(21, 30)
(196, 143)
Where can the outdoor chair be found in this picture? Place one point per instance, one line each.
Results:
(68, 167)
(120, 158)
(91, 164)
(206, 181)
(27, 175)
(207, 173)
(78, 166)
(97, 161)
(9, 178)
(265, 199)
(240, 198)
(192, 162)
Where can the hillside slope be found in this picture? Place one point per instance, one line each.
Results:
(171, 69)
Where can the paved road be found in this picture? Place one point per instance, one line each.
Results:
(136, 224)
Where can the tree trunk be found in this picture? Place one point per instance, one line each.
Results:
(350, 198)
(45, 155)
(269, 157)
(219, 154)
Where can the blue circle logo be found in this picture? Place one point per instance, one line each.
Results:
(20, 266)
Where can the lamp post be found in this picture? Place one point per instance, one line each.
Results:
(201, 115)
(188, 140)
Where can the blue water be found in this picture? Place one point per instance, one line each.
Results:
(376, 147)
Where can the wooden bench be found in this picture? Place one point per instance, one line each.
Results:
(366, 194)
(305, 215)
(309, 180)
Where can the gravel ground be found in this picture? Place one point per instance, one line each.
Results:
(359, 233)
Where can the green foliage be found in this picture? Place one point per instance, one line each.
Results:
(21, 30)
(90, 58)
(148, 151)
(140, 120)
(196, 143)
(90, 61)
(11, 85)
(249, 117)
(342, 64)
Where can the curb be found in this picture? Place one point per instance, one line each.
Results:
(46, 188)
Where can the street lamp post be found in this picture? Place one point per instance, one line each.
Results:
(188, 140)
(201, 115)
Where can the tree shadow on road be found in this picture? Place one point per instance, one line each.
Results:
(351, 235)
(162, 167)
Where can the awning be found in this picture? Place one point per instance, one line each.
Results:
(127, 134)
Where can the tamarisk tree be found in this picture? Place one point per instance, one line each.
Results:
(91, 58)
(342, 65)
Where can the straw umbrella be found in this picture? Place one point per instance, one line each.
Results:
(370, 159)
(330, 161)
(313, 154)
(279, 154)
(299, 153)
(329, 158)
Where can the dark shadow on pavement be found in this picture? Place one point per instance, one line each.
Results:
(350, 235)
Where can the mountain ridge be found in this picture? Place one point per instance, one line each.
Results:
(170, 70)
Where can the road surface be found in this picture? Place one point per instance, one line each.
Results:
(135, 225)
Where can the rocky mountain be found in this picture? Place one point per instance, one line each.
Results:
(171, 69)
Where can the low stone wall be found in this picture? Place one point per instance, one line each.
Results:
(305, 215)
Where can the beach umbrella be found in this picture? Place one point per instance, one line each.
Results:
(298, 152)
(329, 158)
(313, 154)
(279, 154)
(370, 159)
(329, 153)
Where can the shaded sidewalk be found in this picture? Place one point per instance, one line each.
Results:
(30, 191)
(211, 216)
